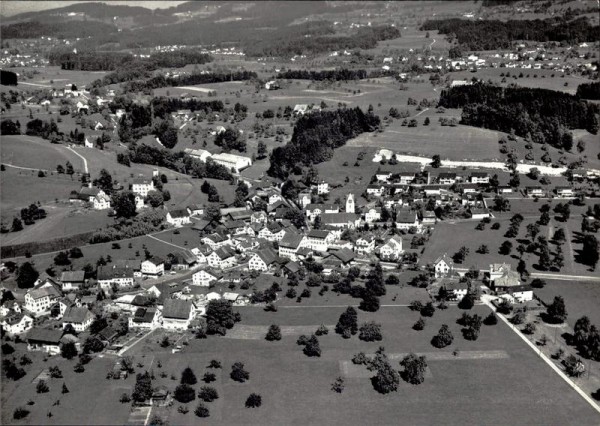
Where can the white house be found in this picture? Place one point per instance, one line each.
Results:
(72, 280)
(289, 245)
(443, 266)
(479, 177)
(198, 154)
(204, 277)
(447, 178)
(375, 190)
(392, 249)
(101, 201)
(223, 257)
(262, 260)
(177, 314)
(365, 245)
(406, 220)
(272, 232)
(564, 191)
(142, 186)
(146, 319)
(232, 161)
(314, 210)
(535, 191)
(521, 293)
(122, 277)
(154, 266)
(79, 318)
(341, 220)
(318, 240)
(455, 289)
(373, 214)
(39, 300)
(17, 323)
(178, 217)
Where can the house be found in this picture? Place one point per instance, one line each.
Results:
(345, 257)
(365, 245)
(341, 220)
(304, 199)
(314, 210)
(508, 280)
(318, 240)
(447, 178)
(121, 277)
(153, 267)
(146, 318)
(17, 323)
(479, 213)
(406, 178)
(392, 249)
(272, 85)
(237, 227)
(564, 191)
(177, 314)
(429, 217)
(479, 177)
(406, 220)
(272, 232)
(215, 240)
(44, 340)
(455, 289)
(322, 187)
(223, 257)
(94, 196)
(101, 201)
(39, 300)
(534, 191)
(258, 217)
(233, 162)
(383, 175)
(72, 280)
(178, 217)
(504, 189)
(289, 245)
(469, 188)
(79, 318)
(375, 190)
(443, 266)
(183, 260)
(142, 186)
(201, 252)
(498, 269)
(195, 210)
(204, 277)
(373, 214)
(262, 260)
(521, 293)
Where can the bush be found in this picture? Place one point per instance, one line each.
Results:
(443, 338)
(419, 325)
(322, 330)
(201, 410)
(209, 377)
(274, 333)
(338, 385)
(254, 401)
(238, 373)
(184, 393)
(427, 310)
(370, 332)
(360, 359)
(208, 394)
(20, 413)
(42, 387)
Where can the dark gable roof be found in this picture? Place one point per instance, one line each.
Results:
(267, 255)
(156, 260)
(406, 217)
(290, 240)
(72, 276)
(322, 207)
(77, 315)
(345, 255)
(108, 272)
(318, 233)
(224, 253)
(144, 315)
(86, 192)
(234, 224)
(184, 257)
(331, 218)
(447, 175)
(177, 308)
(177, 213)
(240, 215)
(44, 335)
(479, 174)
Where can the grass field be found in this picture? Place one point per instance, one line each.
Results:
(581, 298)
(497, 371)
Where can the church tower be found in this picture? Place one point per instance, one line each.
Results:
(350, 204)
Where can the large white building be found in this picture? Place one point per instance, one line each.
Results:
(142, 186)
(39, 300)
(232, 161)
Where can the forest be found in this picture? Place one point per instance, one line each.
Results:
(8, 78)
(61, 30)
(589, 90)
(334, 75)
(492, 34)
(187, 80)
(540, 115)
(315, 137)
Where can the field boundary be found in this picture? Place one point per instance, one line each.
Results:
(17, 250)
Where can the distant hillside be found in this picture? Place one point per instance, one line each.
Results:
(71, 29)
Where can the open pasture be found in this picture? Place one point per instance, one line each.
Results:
(581, 298)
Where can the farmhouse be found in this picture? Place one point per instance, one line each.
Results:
(447, 178)
(206, 276)
(146, 318)
(406, 220)
(121, 277)
(272, 232)
(535, 191)
(178, 217)
(406, 178)
(79, 318)
(429, 217)
(391, 250)
(504, 189)
(182, 260)
(223, 257)
(195, 210)
(17, 323)
(39, 300)
(344, 257)
(508, 280)
(44, 340)
(318, 240)
(233, 162)
(479, 177)
(154, 267)
(177, 314)
(142, 186)
(455, 289)
(479, 213)
(216, 240)
(262, 260)
(289, 245)
(375, 190)
(383, 175)
(72, 280)
(443, 266)
(564, 191)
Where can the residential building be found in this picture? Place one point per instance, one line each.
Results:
(153, 267)
(535, 191)
(455, 289)
(564, 191)
(407, 219)
(142, 186)
(479, 177)
(195, 210)
(443, 266)
(119, 276)
(146, 318)
(79, 318)
(177, 314)
(365, 245)
(447, 178)
(314, 210)
(373, 214)
(392, 249)
(204, 277)
(318, 240)
(521, 293)
(39, 300)
(72, 280)
(178, 217)
(262, 260)
(272, 232)
(376, 190)
(44, 340)
(16, 323)
(223, 257)
(289, 245)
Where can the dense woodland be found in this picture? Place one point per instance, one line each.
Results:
(187, 80)
(8, 78)
(589, 90)
(540, 115)
(335, 75)
(62, 30)
(315, 137)
(491, 34)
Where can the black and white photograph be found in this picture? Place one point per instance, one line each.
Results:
(272, 213)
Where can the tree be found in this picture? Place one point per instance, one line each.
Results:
(574, 366)
(220, 317)
(123, 203)
(184, 393)
(65, 389)
(538, 283)
(559, 261)
(142, 391)
(208, 394)
(506, 248)
(75, 253)
(557, 312)
(68, 350)
(544, 219)
(188, 377)
(155, 198)
(274, 333)
(254, 400)
(419, 325)
(201, 410)
(17, 225)
(443, 338)
(414, 368)
(590, 251)
(348, 323)
(261, 150)
(387, 378)
(427, 310)
(62, 259)
(238, 373)
(544, 262)
(92, 344)
(27, 275)
(42, 387)
(312, 347)
(212, 213)
(338, 385)
(467, 302)
(491, 319)
(209, 377)
(369, 303)
(436, 161)
(104, 181)
(370, 332)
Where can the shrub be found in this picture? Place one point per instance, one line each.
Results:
(209, 377)
(419, 325)
(201, 410)
(274, 333)
(20, 413)
(208, 394)
(370, 332)
(42, 387)
(254, 401)
(338, 385)
(238, 373)
(322, 330)
(360, 359)
(184, 393)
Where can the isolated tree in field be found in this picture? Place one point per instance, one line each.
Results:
(557, 312)
(460, 255)
(369, 303)
(209, 377)
(238, 373)
(261, 150)
(491, 319)
(467, 302)
(348, 323)
(123, 203)
(212, 213)
(42, 387)
(253, 401)
(312, 347)
(201, 410)
(387, 378)
(590, 251)
(443, 338)
(26, 275)
(65, 389)
(104, 181)
(419, 325)
(436, 161)
(188, 377)
(370, 332)
(68, 350)
(544, 219)
(427, 310)
(142, 391)
(17, 225)
(208, 394)
(414, 368)
(544, 262)
(62, 259)
(220, 317)
(274, 333)
(214, 364)
(338, 385)
(506, 248)
(184, 393)
(558, 261)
